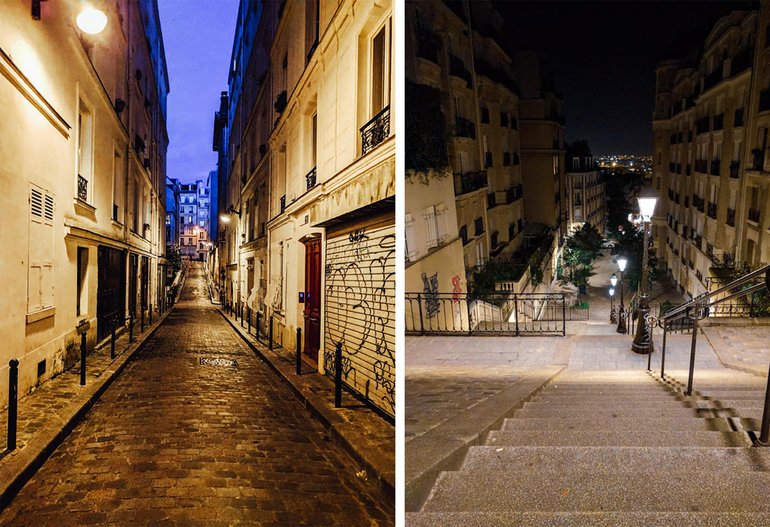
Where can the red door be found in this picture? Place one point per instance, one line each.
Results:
(312, 298)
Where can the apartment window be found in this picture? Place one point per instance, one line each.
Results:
(478, 226)
(82, 282)
(40, 285)
(314, 140)
(435, 221)
(85, 151)
(380, 69)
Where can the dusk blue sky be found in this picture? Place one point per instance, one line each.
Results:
(198, 37)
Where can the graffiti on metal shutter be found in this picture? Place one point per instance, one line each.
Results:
(360, 304)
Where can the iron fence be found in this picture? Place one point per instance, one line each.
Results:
(500, 313)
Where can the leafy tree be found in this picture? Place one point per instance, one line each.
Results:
(174, 255)
(630, 244)
(426, 137)
(580, 251)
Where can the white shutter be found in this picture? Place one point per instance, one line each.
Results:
(430, 223)
(40, 281)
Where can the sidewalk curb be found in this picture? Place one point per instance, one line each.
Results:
(449, 442)
(24, 462)
(328, 418)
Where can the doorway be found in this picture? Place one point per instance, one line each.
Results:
(312, 311)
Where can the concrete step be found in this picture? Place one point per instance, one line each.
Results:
(640, 412)
(642, 436)
(654, 396)
(674, 490)
(756, 395)
(631, 423)
(616, 459)
(586, 519)
(619, 404)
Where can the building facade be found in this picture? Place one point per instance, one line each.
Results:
(710, 143)
(83, 162)
(585, 198)
(173, 191)
(307, 212)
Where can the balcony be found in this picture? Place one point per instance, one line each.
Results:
(469, 182)
(702, 125)
(735, 167)
(701, 165)
(457, 69)
(428, 45)
(731, 217)
(514, 194)
(375, 131)
(712, 211)
(719, 122)
(82, 188)
(310, 178)
(464, 128)
(738, 119)
(754, 215)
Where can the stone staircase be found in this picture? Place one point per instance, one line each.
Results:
(616, 449)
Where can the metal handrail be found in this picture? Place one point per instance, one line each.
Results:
(697, 309)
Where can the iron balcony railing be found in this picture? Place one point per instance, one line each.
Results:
(469, 181)
(310, 178)
(375, 131)
(734, 168)
(713, 303)
(464, 128)
(754, 215)
(731, 217)
(82, 188)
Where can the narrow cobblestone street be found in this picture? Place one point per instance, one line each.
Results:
(177, 442)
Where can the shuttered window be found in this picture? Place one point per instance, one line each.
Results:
(40, 285)
(360, 305)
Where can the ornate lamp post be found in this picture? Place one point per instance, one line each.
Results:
(613, 316)
(621, 311)
(642, 342)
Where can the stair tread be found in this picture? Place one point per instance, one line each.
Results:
(617, 438)
(619, 423)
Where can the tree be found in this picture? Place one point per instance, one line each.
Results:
(581, 249)
(630, 244)
(174, 255)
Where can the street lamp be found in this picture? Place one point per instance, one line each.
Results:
(225, 216)
(621, 311)
(642, 343)
(91, 20)
(612, 306)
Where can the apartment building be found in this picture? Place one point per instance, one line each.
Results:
(307, 202)
(83, 162)
(710, 138)
(194, 202)
(584, 199)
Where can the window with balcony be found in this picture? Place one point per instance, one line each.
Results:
(377, 129)
(40, 284)
(84, 152)
(478, 226)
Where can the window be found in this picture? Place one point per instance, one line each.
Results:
(82, 281)
(380, 69)
(478, 226)
(40, 285)
(85, 151)
(435, 222)
(117, 186)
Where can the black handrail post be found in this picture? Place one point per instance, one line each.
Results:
(692, 355)
(299, 351)
(516, 311)
(248, 317)
(765, 430)
(649, 348)
(563, 315)
(256, 331)
(270, 334)
(83, 350)
(468, 309)
(338, 376)
(663, 352)
(241, 315)
(419, 309)
(13, 402)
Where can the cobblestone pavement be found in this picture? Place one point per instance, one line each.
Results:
(175, 442)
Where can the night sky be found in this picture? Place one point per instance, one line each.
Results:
(604, 55)
(198, 37)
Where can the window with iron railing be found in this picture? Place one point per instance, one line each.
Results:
(478, 226)
(375, 131)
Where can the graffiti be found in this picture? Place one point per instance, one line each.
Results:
(457, 289)
(360, 271)
(360, 247)
(430, 288)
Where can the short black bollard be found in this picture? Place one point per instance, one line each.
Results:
(248, 317)
(112, 340)
(270, 334)
(83, 350)
(338, 376)
(256, 331)
(13, 402)
(299, 351)
(241, 316)
(131, 328)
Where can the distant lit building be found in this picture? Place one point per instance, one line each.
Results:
(585, 199)
(194, 220)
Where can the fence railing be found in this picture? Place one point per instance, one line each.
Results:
(495, 314)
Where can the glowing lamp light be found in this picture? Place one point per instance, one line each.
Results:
(613, 280)
(612, 291)
(622, 264)
(647, 200)
(91, 21)
(224, 218)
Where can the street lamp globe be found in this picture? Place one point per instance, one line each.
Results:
(613, 280)
(647, 200)
(91, 20)
(224, 218)
(622, 264)
(612, 291)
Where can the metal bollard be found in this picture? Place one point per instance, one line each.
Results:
(338, 376)
(131, 328)
(13, 402)
(663, 354)
(256, 332)
(241, 315)
(112, 340)
(299, 351)
(83, 350)
(270, 334)
(248, 317)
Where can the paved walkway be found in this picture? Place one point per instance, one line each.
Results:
(179, 442)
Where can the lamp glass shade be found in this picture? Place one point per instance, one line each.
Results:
(224, 218)
(612, 291)
(91, 21)
(622, 264)
(647, 207)
(614, 279)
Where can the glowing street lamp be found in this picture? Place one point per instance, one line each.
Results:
(91, 20)
(612, 306)
(622, 261)
(642, 340)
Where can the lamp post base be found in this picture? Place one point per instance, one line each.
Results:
(621, 321)
(642, 341)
